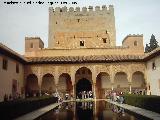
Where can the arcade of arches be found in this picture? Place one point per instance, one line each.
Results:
(73, 80)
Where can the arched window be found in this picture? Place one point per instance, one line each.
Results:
(135, 43)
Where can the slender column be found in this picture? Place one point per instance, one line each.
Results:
(94, 90)
(112, 86)
(148, 89)
(73, 81)
(56, 88)
(129, 77)
(94, 81)
(112, 77)
(130, 88)
(56, 76)
(74, 94)
(39, 75)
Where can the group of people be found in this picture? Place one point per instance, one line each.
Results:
(85, 95)
(117, 97)
(11, 97)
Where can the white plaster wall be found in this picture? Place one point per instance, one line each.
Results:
(153, 76)
(6, 77)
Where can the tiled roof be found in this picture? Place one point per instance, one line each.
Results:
(152, 54)
(10, 53)
(95, 58)
(79, 59)
(83, 59)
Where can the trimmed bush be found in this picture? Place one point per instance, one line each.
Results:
(149, 102)
(13, 109)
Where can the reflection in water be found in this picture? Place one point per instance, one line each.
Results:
(88, 111)
(84, 110)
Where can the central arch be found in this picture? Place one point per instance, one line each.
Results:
(83, 78)
(83, 85)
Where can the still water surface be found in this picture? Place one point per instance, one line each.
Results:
(99, 110)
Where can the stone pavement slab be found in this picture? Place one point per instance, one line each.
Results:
(38, 112)
(140, 111)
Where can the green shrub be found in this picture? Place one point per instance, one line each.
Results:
(149, 102)
(13, 109)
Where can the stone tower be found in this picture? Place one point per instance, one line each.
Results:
(87, 28)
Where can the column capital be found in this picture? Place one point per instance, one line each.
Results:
(129, 77)
(94, 82)
(129, 83)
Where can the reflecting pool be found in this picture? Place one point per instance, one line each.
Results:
(99, 110)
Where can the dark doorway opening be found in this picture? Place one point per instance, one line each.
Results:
(83, 85)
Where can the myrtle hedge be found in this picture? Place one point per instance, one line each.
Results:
(149, 102)
(16, 108)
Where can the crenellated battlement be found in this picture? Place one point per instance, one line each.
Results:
(64, 9)
(135, 35)
(29, 38)
(132, 35)
(75, 27)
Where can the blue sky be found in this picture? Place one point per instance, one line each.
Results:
(132, 17)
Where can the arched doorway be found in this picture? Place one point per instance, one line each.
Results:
(83, 78)
(48, 85)
(103, 85)
(83, 85)
(32, 88)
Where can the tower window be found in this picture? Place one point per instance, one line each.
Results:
(106, 32)
(31, 45)
(78, 20)
(56, 22)
(104, 40)
(81, 43)
(17, 68)
(74, 36)
(5, 64)
(153, 66)
(135, 43)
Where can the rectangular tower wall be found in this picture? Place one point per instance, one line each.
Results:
(96, 28)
